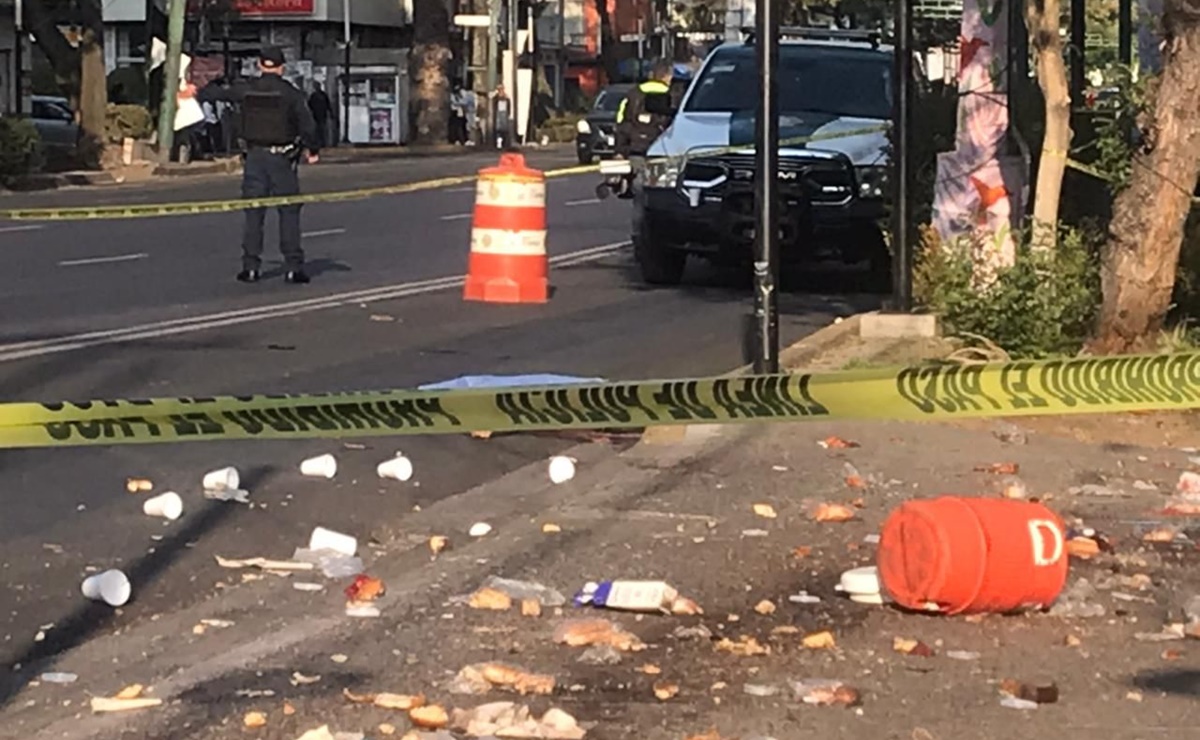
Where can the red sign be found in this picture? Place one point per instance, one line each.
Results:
(256, 7)
(274, 7)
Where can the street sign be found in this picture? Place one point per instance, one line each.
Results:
(632, 37)
(472, 21)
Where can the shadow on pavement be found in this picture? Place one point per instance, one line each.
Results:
(90, 618)
(1181, 682)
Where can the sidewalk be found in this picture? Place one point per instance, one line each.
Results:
(683, 511)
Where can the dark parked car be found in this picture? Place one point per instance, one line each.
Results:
(595, 135)
(54, 121)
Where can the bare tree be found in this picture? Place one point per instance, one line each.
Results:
(1140, 258)
(80, 70)
(428, 69)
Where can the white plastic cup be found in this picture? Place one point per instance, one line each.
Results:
(327, 539)
(112, 587)
(324, 466)
(168, 506)
(562, 469)
(225, 479)
(398, 468)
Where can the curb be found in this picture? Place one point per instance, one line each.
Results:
(34, 183)
(226, 166)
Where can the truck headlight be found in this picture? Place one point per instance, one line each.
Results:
(583, 127)
(662, 173)
(872, 181)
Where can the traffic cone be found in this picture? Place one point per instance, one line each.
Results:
(508, 261)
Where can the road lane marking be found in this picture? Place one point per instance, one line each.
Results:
(14, 229)
(456, 217)
(326, 232)
(588, 202)
(156, 330)
(104, 260)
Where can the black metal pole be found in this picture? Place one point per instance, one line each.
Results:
(1078, 55)
(901, 211)
(1125, 32)
(766, 189)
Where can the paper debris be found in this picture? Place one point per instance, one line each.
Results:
(131, 691)
(253, 720)
(823, 640)
(365, 588)
(837, 443)
(264, 564)
(1004, 468)
(480, 529)
(832, 513)
(490, 598)
(101, 704)
(402, 702)
(825, 692)
(664, 690)
(299, 679)
(911, 647)
(321, 733)
(437, 543)
(765, 607)
(432, 717)
(550, 528)
(744, 646)
(766, 511)
(138, 485)
(650, 669)
(584, 632)
(531, 608)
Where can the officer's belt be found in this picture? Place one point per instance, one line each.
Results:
(275, 149)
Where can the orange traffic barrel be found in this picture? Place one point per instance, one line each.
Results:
(955, 555)
(508, 261)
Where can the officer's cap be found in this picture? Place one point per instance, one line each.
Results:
(271, 57)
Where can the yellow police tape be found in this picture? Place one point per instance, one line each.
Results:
(940, 392)
(158, 210)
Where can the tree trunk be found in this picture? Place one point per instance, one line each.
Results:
(93, 87)
(430, 107)
(1042, 19)
(1139, 259)
(608, 42)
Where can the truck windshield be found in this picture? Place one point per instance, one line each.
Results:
(812, 78)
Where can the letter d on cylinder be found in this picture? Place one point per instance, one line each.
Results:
(1057, 545)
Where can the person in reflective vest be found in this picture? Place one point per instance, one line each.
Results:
(637, 127)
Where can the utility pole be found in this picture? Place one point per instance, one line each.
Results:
(1125, 32)
(902, 88)
(493, 62)
(166, 115)
(346, 38)
(766, 190)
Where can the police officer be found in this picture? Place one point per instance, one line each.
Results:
(278, 128)
(637, 128)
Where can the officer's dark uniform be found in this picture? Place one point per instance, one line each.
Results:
(276, 125)
(637, 128)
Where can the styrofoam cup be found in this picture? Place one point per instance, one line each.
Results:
(562, 469)
(323, 466)
(398, 468)
(112, 587)
(168, 506)
(225, 479)
(327, 539)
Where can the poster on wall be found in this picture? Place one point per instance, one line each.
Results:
(382, 131)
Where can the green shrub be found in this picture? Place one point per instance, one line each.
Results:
(1044, 305)
(20, 148)
(127, 121)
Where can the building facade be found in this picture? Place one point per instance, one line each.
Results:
(312, 35)
(14, 58)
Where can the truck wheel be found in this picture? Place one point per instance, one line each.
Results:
(586, 156)
(660, 265)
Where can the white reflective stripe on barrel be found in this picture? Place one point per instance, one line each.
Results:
(518, 243)
(510, 194)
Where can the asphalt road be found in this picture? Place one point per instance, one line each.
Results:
(150, 308)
